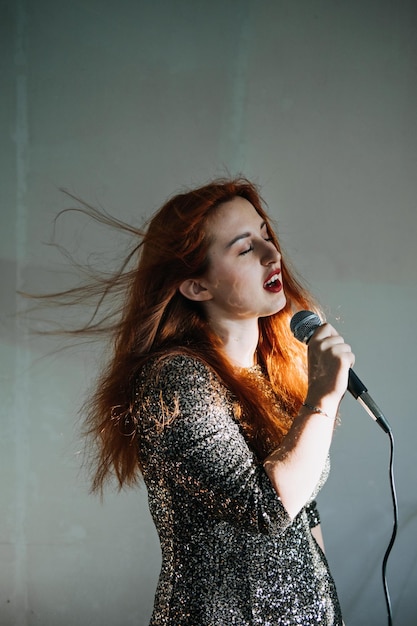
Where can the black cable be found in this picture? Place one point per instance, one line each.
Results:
(394, 530)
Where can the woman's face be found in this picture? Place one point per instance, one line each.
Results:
(244, 278)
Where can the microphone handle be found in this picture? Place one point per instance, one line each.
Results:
(355, 385)
(360, 393)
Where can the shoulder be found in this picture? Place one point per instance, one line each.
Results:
(179, 375)
(176, 366)
(180, 393)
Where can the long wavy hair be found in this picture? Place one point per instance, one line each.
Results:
(153, 319)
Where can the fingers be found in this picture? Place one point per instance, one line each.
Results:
(325, 330)
(330, 358)
(326, 338)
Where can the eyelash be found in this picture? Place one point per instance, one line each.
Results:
(269, 239)
(246, 251)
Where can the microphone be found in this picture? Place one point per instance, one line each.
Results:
(303, 324)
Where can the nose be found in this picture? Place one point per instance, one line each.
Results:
(270, 254)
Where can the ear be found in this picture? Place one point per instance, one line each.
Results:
(193, 289)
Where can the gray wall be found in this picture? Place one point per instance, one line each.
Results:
(125, 102)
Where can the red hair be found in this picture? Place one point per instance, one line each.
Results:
(155, 319)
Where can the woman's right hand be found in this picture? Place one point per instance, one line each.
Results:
(329, 360)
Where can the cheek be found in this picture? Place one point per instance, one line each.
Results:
(236, 291)
(229, 288)
(232, 280)
(220, 274)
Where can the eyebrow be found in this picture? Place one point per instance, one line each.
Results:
(243, 236)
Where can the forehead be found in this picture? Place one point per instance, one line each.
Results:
(232, 217)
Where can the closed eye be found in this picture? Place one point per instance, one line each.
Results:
(251, 247)
(246, 251)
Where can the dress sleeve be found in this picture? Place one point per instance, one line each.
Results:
(188, 434)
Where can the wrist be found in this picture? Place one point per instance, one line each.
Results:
(328, 405)
(310, 408)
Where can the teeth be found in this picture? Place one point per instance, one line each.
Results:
(272, 280)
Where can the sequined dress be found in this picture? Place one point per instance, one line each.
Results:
(230, 552)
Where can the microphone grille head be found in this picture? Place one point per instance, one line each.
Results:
(303, 324)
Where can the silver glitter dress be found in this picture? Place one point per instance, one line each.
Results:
(230, 552)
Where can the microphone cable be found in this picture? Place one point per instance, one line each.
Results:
(395, 527)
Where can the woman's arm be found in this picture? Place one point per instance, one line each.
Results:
(296, 466)
(190, 441)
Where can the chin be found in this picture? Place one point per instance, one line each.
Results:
(279, 304)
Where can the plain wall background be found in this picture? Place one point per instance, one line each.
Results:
(124, 103)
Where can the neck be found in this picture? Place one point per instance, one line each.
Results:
(240, 340)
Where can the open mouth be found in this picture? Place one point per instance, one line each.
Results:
(273, 282)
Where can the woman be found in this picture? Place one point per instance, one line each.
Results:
(228, 418)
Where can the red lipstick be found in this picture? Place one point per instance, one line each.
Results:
(273, 283)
